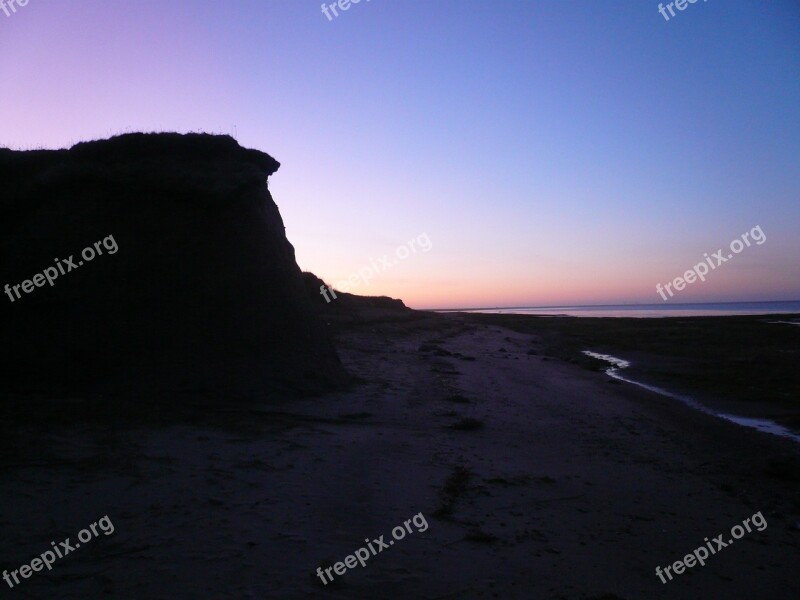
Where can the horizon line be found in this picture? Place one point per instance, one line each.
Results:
(562, 306)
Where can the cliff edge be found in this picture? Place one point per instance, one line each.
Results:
(153, 262)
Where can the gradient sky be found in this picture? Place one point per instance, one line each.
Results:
(553, 151)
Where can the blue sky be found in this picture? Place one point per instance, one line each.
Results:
(554, 152)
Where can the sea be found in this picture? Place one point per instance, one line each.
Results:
(715, 309)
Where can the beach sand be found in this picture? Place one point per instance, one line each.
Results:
(556, 482)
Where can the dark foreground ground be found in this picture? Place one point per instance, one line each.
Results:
(535, 477)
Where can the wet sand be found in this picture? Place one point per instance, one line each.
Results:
(538, 479)
(739, 365)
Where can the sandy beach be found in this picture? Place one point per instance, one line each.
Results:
(536, 478)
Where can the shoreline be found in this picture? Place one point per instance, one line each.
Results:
(635, 310)
(763, 425)
(737, 366)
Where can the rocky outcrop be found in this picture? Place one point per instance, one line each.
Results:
(203, 292)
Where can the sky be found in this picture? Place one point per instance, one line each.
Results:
(538, 153)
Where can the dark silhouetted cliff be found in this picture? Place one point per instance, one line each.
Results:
(203, 293)
(345, 302)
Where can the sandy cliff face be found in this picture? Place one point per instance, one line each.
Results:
(202, 293)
